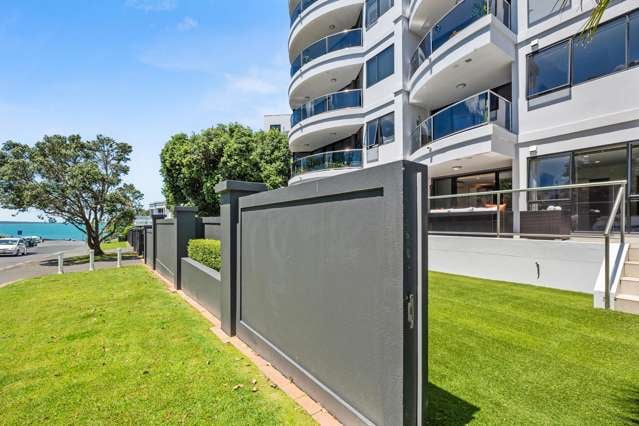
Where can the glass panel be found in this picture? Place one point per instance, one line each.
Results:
(548, 69)
(442, 187)
(386, 63)
(372, 12)
(421, 54)
(296, 65)
(371, 134)
(634, 171)
(633, 224)
(387, 124)
(633, 40)
(384, 6)
(371, 71)
(296, 117)
(602, 54)
(549, 171)
(461, 116)
(319, 106)
(593, 205)
(314, 51)
(464, 14)
(327, 161)
(505, 183)
(348, 99)
(499, 111)
(344, 40)
(538, 10)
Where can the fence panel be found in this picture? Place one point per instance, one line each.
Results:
(166, 260)
(212, 228)
(148, 245)
(203, 284)
(331, 288)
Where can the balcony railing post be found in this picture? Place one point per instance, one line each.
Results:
(607, 271)
(623, 215)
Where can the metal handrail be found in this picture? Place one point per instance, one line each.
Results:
(619, 207)
(619, 202)
(300, 58)
(431, 117)
(328, 109)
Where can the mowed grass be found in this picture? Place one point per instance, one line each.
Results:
(114, 245)
(114, 347)
(501, 353)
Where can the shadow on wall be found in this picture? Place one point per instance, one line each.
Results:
(444, 408)
(628, 403)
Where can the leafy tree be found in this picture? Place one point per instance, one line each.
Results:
(67, 177)
(192, 165)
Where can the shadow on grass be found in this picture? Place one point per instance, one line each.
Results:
(444, 408)
(628, 401)
(81, 260)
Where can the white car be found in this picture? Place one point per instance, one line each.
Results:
(13, 246)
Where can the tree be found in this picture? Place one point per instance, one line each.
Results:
(192, 165)
(76, 180)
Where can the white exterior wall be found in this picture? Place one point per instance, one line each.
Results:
(283, 120)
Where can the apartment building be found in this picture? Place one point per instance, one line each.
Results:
(281, 122)
(490, 94)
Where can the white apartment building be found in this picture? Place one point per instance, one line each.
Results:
(281, 122)
(490, 94)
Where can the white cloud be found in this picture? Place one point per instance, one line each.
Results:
(152, 5)
(187, 24)
(252, 83)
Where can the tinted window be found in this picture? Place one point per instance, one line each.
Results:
(633, 40)
(538, 10)
(550, 171)
(375, 9)
(371, 134)
(381, 66)
(602, 54)
(548, 69)
(387, 125)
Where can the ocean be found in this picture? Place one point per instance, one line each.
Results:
(45, 230)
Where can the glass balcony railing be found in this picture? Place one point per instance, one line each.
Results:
(327, 161)
(332, 102)
(477, 110)
(300, 7)
(332, 43)
(459, 17)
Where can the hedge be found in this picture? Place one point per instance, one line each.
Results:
(207, 252)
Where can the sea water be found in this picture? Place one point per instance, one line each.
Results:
(44, 230)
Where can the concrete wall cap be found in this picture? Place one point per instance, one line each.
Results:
(177, 209)
(238, 185)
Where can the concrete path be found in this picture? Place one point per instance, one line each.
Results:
(42, 252)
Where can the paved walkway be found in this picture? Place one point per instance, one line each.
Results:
(36, 268)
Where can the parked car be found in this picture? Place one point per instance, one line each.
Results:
(13, 246)
(30, 241)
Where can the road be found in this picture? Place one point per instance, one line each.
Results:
(44, 251)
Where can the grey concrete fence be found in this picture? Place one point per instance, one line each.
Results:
(326, 279)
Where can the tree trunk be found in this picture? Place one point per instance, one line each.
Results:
(93, 241)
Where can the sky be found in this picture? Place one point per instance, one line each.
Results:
(139, 71)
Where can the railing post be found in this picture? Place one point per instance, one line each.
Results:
(623, 215)
(119, 261)
(91, 260)
(498, 215)
(60, 263)
(607, 272)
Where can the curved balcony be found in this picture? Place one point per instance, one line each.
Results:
(326, 66)
(327, 161)
(423, 14)
(332, 102)
(462, 15)
(321, 18)
(477, 110)
(468, 50)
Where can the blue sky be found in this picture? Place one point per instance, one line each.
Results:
(139, 71)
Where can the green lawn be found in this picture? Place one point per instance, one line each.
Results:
(114, 347)
(501, 353)
(113, 245)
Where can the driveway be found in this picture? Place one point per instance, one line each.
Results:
(46, 250)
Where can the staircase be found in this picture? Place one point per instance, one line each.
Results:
(627, 297)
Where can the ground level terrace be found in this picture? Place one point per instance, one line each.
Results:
(116, 347)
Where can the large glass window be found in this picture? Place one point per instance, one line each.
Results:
(549, 171)
(633, 40)
(375, 9)
(602, 54)
(381, 66)
(380, 131)
(549, 68)
(538, 10)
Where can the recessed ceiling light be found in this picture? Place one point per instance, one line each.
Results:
(332, 27)
(461, 85)
(469, 60)
(333, 80)
(457, 168)
(306, 144)
(598, 161)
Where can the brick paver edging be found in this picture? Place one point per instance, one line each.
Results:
(319, 414)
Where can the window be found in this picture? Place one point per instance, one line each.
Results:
(380, 66)
(375, 9)
(602, 54)
(277, 127)
(549, 68)
(633, 40)
(380, 131)
(538, 10)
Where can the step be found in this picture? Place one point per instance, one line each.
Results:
(627, 303)
(629, 285)
(633, 254)
(631, 269)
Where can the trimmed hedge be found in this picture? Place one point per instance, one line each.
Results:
(207, 252)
